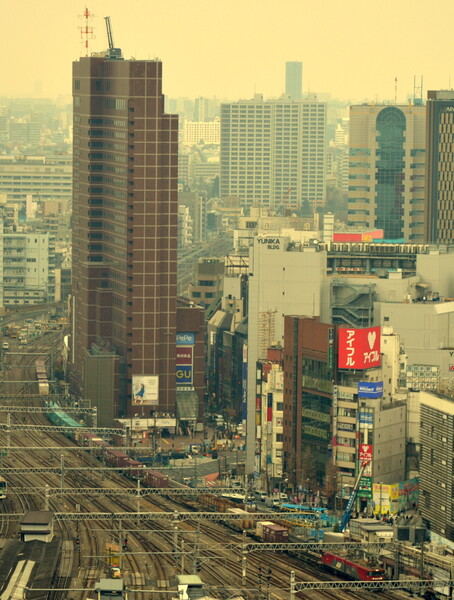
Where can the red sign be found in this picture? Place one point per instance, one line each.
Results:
(358, 348)
(365, 453)
(184, 355)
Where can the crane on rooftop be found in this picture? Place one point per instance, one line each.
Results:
(112, 53)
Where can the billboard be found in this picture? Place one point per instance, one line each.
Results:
(365, 453)
(145, 390)
(370, 389)
(269, 408)
(363, 236)
(186, 338)
(366, 419)
(184, 362)
(365, 487)
(184, 355)
(358, 348)
(184, 374)
(244, 389)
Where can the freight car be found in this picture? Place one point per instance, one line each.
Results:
(240, 524)
(352, 569)
(275, 533)
(134, 469)
(41, 376)
(154, 479)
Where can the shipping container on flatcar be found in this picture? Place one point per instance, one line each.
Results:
(133, 468)
(275, 534)
(259, 527)
(114, 457)
(154, 479)
(240, 524)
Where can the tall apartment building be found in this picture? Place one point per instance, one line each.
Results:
(294, 80)
(28, 268)
(201, 131)
(124, 237)
(387, 170)
(436, 469)
(42, 177)
(273, 152)
(439, 207)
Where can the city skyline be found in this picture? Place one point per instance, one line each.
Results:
(347, 51)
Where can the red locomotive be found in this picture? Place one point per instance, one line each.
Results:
(351, 569)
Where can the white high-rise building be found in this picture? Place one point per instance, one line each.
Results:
(206, 132)
(273, 152)
(28, 268)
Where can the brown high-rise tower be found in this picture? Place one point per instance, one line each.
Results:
(124, 237)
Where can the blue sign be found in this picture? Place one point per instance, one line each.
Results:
(184, 374)
(366, 419)
(370, 389)
(186, 339)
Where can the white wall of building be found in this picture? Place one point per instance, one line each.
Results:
(281, 283)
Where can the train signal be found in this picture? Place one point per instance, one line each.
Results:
(198, 565)
(268, 576)
(125, 543)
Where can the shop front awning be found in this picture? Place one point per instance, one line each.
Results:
(187, 404)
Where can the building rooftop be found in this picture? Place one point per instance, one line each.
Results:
(37, 517)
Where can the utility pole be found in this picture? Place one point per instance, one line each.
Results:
(292, 585)
(244, 561)
(195, 556)
(62, 475)
(8, 433)
(175, 541)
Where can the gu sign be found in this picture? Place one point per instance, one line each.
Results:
(358, 348)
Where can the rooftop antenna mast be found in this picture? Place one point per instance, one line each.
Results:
(395, 90)
(112, 53)
(86, 31)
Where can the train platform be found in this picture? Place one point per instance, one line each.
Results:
(43, 559)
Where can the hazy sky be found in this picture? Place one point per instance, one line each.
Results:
(350, 48)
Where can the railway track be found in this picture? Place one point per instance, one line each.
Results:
(148, 561)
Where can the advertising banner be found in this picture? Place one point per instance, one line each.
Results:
(184, 356)
(381, 493)
(145, 390)
(184, 374)
(370, 389)
(365, 487)
(365, 453)
(366, 420)
(244, 388)
(269, 411)
(358, 348)
(186, 339)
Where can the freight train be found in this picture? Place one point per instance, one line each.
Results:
(41, 376)
(352, 569)
(129, 467)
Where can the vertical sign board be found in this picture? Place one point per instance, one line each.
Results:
(244, 388)
(185, 358)
(365, 453)
(365, 487)
(330, 347)
(358, 348)
(269, 407)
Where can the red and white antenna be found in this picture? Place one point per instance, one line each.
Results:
(86, 31)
